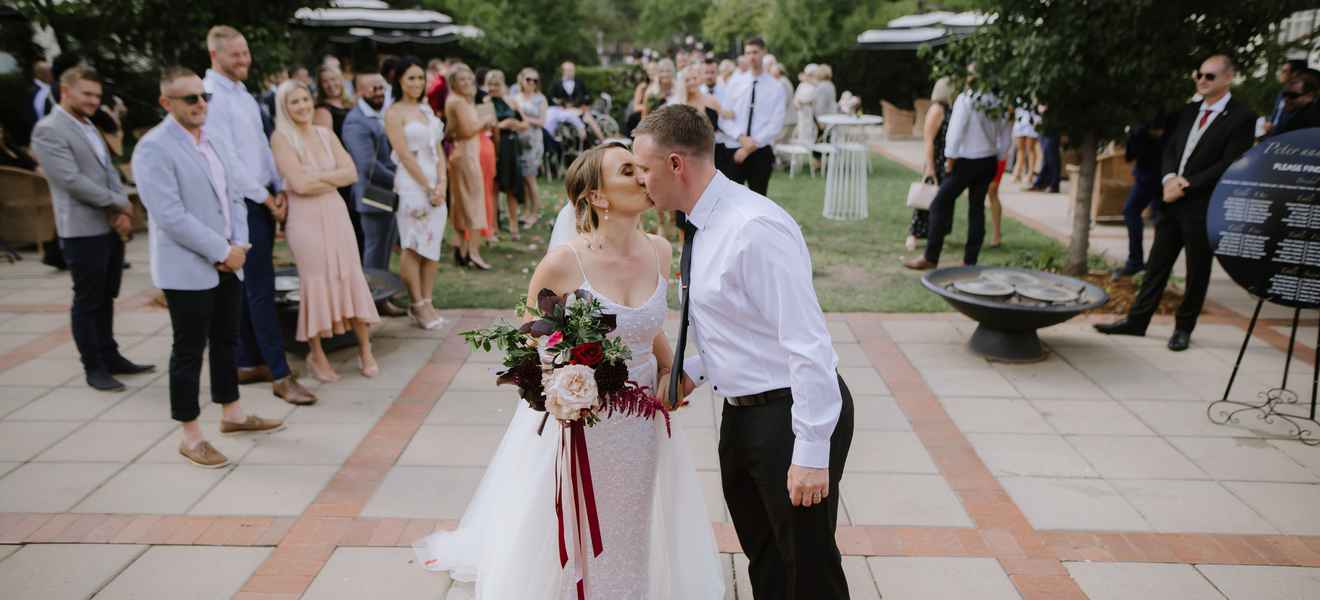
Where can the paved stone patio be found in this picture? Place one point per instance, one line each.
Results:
(1092, 474)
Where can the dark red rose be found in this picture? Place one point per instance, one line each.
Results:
(589, 354)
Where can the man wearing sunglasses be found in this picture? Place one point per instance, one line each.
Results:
(1299, 101)
(1210, 134)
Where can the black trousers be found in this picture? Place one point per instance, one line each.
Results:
(753, 172)
(1178, 225)
(973, 175)
(791, 551)
(97, 266)
(204, 319)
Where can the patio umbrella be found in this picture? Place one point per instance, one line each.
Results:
(926, 29)
(375, 20)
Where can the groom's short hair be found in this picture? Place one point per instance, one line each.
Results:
(679, 127)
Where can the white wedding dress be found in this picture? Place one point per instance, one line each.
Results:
(656, 534)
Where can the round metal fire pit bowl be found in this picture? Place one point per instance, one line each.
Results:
(1007, 324)
(383, 284)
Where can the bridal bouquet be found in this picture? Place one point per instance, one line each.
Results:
(565, 364)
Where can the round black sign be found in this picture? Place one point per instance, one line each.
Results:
(1264, 219)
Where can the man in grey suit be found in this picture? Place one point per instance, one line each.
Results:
(91, 213)
(365, 140)
(189, 182)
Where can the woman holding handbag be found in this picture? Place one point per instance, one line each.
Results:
(933, 132)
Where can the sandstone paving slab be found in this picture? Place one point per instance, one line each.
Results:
(863, 380)
(1012, 454)
(1291, 507)
(851, 355)
(265, 490)
(1307, 456)
(1091, 418)
(1243, 459)
(64, 571)
(70, 404)
(10, 340)
(1051, 380)
(904, 578)
(44, 372)
(37, 323)
(453, 445)
(1189, 419)
(1135, 457)
(6, 467)
(713, 492)
(693, 416)
(166, 451)
(1168, 507)
(475, 376)
(1141, 581)
(342, 406)
(103, 441)
(1251, 582)
(880, 413)
(206, 573)
(703, 447)
(145, 323)
(166, 489)
(7, 550)
(354, 573)
(861, 584)
(152, 403)
(466, 407)
(415, 492)
(931, 332)
(968, 382)
(839, 331)
(15, 398)
(307, 444)
(1138, 383)
(926, 356)
(151, 348)
(995, 415)
(21, 441)
(902, 499)
(888, 452)
(51, 487)
(1073, 504)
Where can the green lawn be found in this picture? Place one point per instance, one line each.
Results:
(856, 263)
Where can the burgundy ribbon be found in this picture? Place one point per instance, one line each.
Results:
(574, 448)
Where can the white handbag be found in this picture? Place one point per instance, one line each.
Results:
(922, 193)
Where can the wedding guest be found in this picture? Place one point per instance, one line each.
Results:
(13, 156)
(1051, 161)
(486, 157)
(702, 101)
(804, 104)
(365, 141)
(92, 212)
(658, 91)
(1027, 142)
(468, 184)
(415, 134)
(934, 131)
(532, 104)
(827, 97)
(1299, 98)
(301, 74)
(39, 101)
(332, 106)
(790, 111)
(334, 291)
(236, 120)
(568, 90)
(746, 155)
(1145, 149)
(710, 77)
(1288, 71)
(508, 171)
(190, 182)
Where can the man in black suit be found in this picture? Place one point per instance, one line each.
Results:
(1299, 98)
(1208, 137)
(568, 91)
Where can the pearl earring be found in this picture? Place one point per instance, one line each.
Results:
(607, 213)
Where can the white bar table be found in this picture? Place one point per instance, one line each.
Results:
(845, 176)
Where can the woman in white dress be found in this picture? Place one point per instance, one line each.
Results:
(415, 134)
(1025, 139)
(804, 103)
(657, 539)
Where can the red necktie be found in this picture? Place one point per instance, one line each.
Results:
(1205, 116)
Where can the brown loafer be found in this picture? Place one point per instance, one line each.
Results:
(388, 309)
(293, 392)
(252, 424)
(919, 264)
(204, 455)
(259, 374)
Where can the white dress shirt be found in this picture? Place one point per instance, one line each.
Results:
(234, 116)
(90, 132)
(215, 171)
(39, 98)
(974, 134)
(754, 315)
(1194, 136)
(569, 86)
(768, 118)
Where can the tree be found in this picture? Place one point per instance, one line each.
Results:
(665, 21)
(524, 33)
(731, 20)
(1101, 65)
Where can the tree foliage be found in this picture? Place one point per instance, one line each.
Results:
(1101, 65)
(523, 33)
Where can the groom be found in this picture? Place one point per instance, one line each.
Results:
(763, 345)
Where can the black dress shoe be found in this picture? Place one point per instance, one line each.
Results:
(103, 381)
(1125, 271)
(1121, 327)
(123, 366)
(1180, 340)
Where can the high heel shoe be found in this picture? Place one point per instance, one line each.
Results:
(415, 311)
(459, 259)
(477, 263)
(366, 371)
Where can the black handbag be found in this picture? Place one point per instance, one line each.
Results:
(375, 196)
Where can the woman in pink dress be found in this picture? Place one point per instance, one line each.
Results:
(335, 295)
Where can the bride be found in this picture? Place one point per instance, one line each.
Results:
(656, 535)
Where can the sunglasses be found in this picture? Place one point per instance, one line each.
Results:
(192, 99)
(532, 80)
(1206, 76)
(1293, 95)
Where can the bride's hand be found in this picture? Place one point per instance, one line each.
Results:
(662, 392)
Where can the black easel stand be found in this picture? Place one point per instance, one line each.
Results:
(1305, 428)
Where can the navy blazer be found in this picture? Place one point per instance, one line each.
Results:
(364, 138)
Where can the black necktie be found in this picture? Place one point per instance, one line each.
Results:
(685, 276)
(751, 109)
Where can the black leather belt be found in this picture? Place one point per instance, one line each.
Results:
(761, 398)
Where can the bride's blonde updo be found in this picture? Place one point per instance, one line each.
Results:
(586, 175)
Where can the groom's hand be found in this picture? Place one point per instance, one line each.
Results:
(808, 486)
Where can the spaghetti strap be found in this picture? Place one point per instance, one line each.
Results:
(581, 270)
(659, 264)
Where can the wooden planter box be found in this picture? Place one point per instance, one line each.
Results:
(26, 213)
(1113, 181)
(898, 122)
